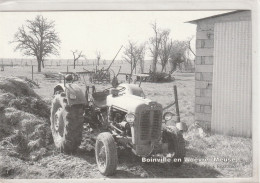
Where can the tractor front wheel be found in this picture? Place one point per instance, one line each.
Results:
(106, 153)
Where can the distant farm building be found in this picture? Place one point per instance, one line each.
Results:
(223, 74)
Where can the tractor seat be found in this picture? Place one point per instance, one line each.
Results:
(100, 99)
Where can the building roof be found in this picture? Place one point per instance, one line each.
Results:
(214, 16)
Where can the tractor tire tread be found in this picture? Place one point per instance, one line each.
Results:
(73, 125)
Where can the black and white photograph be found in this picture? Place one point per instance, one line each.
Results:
(126, 94)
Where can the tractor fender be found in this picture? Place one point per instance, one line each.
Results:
(59, 87)
(74, 94)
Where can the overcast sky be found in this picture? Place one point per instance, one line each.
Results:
(103, 31)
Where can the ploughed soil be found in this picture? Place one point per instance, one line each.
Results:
(27, 150)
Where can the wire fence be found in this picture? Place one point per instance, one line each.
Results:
(187, 66)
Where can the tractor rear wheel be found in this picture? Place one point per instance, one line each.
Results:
(176, 144)
(66, 124)
(106, 153)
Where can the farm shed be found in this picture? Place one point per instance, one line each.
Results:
(223, 73)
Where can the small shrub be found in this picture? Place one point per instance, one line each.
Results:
(158, 77)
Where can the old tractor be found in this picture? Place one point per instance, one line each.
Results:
(124, 116)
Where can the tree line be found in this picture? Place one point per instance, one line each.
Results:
(162, 49)
(39, 38)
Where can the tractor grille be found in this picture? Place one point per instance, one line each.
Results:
(150, 124)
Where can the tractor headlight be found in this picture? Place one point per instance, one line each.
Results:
(72, 96)
(130, 118)
(168, 116)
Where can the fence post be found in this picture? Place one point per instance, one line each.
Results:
(32, 72)
(176, 103)
(2, 67)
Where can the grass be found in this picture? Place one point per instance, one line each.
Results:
(233, 155)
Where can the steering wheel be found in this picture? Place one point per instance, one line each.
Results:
(107, 90)
(122, 88)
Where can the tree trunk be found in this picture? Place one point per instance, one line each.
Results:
(42, 64)
(162, 67)
(154, 64)
(39, 66)
(154, 67)
(141, 66)
(130, 77)
(174, 67)
(74, 64)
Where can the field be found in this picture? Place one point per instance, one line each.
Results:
(209, 156)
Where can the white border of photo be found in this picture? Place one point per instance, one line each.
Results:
(161, 5)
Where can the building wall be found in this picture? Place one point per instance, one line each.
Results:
(204, 64)
(204, 73)
(232, 76)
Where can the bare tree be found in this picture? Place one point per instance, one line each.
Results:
(155, 42)
(134, 54)
(129, 56)
(188, 64)
(165, 49)
(76, 55)
(86, 59)
(37, 38)
(98, 54)
(178, 54)
(141, 56)
(188, 42)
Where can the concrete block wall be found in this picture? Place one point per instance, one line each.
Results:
(204, 74)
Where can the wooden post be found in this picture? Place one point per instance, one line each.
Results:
(176, 103)
(32, 72)
(2, 67)
(86, 93)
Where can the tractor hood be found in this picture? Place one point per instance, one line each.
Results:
(129, 103)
